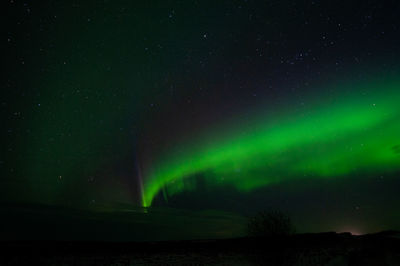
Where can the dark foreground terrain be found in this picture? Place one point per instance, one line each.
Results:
(305, 249)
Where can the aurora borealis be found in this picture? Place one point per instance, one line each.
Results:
(340, 138)
(145, 112)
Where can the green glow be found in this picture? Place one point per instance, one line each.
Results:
(352, 132)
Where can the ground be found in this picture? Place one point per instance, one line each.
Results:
(329, 249)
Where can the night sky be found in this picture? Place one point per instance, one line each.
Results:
(205, 111)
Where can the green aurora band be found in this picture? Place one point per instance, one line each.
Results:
(356, 131)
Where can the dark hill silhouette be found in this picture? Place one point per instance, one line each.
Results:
(302, 249)
(52, 235)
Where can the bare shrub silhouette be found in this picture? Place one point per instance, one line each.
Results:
(270, 223)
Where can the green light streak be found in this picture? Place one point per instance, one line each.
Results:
(358, 132)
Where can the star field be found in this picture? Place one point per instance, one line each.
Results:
(233, 106)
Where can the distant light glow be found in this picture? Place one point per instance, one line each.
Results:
(353, 231)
